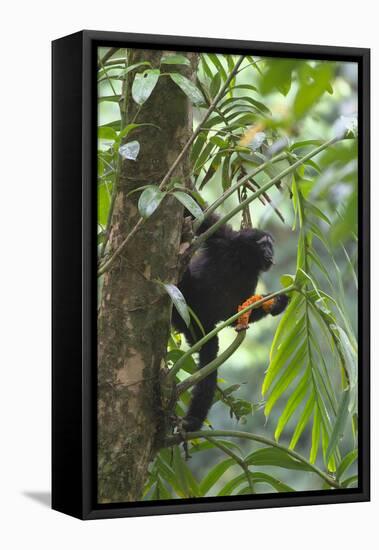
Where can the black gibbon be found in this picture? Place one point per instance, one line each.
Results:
(219, 278)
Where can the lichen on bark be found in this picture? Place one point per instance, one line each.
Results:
(134, 312)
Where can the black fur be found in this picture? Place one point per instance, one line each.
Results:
(220, 277)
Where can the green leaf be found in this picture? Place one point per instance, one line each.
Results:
(189, 203)
(283, 354)
(278, 75)
(331, 463)
(231, 389)
(347, 461)
(215, 85)
(240, 102)
(349, 360)
(214, 475)
(130, 150)
(189, 364)
(345, 226)
(194, 192)
(149, 200)
(241, 408)
(244, 87)
(197, 147)
(130, 127)
(303, 421)
(188, 87)
(287, 280)
(272, 456)
(203, 158)
(205, 66)
(107, 133)
(260, 477)
(185, 477)
(178, 301)
(168, 474)
(219, 141)
(306, 143)
(288, 319)
(115, 124)
(164, 493)
(315, 82)
(290, 372)
(139, 189)
(111, 98)
(103, 202)
(143, 85)
(226, 181)
(180, 472)
(200, 446)
(339, 426)
(232, 485)
(214, 58)
(135, 66)
(175, 60)
(315, 435)
(293, 403)
(313, 209)
(351, 481)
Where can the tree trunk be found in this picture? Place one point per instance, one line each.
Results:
(134, 316)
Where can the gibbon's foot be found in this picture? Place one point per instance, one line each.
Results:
(280, 304)
(180, 429)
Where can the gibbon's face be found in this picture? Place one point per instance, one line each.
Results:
(260, 246)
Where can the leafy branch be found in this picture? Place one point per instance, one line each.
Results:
(240, 461)
(108, 263)
(298, 349)
(204, 236)
(175, 439)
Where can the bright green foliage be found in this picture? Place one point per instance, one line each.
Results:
(297, 358)
(273, 113)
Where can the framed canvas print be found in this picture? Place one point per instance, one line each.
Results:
(210, 274)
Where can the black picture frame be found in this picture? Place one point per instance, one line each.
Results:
(74, 274)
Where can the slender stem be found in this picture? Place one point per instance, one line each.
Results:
(107, 77)
(107, 229)
(204, 236)
(173, 167)
(213, 365)
(173, 440)
(136, 114)
(221, 326)
(253, 187)
(251, 65)
(237, 185)
(240, 461)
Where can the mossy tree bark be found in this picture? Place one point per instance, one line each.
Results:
(134, 315)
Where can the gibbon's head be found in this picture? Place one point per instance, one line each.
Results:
(259, 247)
